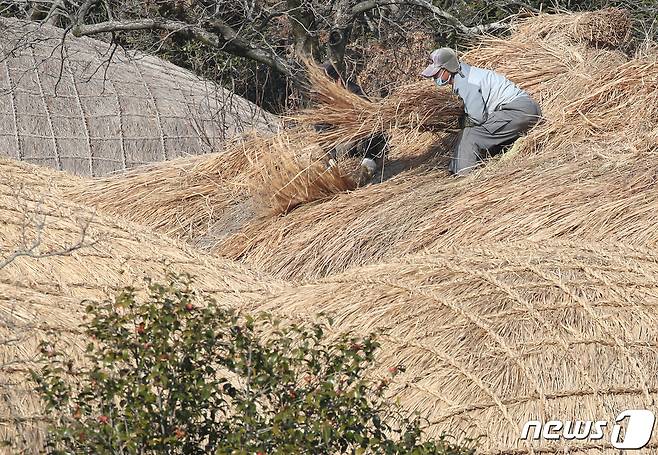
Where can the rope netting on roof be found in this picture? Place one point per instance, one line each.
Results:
(490, 336)
(65, 107)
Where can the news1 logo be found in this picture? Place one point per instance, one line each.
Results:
(637, 426)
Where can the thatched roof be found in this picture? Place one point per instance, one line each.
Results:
(41, 294)
(493, 335)
(490, 335)
(561, 181)
(586, 172)
(83, 116)
(524, 291)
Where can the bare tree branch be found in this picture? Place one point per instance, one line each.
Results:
(84, 10)
(32, 249)
(272, 33)
(302, 21)
(34, 218)
(340, 34)
(224, 37)
(368, 5)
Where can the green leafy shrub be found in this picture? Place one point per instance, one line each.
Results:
(179, 373)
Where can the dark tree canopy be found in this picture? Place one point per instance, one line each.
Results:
(254, 46)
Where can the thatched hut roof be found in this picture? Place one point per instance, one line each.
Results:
(64, 107)
(490, 335)
(46, 293)
(493, 335)
(524, 291)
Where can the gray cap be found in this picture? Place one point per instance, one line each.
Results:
(442, 58)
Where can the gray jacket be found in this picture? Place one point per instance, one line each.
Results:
(483, 91)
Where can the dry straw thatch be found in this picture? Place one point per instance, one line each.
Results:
(416, 106)
(65, 108)
(255, 176)
(180, 198)
(46, 293)
(495, 335)
(586, 172)
(259, 176)
(609, 27)
(490, 336)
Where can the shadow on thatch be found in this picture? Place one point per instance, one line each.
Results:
(84, 116)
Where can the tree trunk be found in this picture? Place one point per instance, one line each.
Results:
(302, 21)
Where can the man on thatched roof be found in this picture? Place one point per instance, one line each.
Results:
(497, 112)
(371, 148)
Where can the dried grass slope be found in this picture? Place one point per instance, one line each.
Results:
(489, 335)
(493, 335)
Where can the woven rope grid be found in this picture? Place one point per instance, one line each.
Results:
(422, 305)
(77, 115)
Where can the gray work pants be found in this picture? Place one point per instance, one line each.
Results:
(502, 128)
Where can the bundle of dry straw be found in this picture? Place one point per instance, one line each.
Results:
(415, 106)
(291, 169)
(609, 27)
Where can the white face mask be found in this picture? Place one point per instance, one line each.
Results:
(439, 81)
